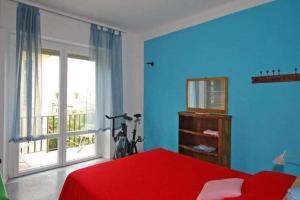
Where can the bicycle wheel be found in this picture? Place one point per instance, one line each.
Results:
(121, 148)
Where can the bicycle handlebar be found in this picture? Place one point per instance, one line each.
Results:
(124, 116)
(114, 117)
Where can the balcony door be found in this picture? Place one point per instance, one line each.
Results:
(68, 100)
(80, 107)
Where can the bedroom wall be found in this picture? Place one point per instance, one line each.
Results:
(65, 30)
(1, 99)
(265, 116)
(2, 51)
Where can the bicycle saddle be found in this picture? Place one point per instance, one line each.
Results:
(137, 115)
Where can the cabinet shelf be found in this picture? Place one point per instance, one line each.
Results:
(190, 148)
(204, 115)
(197, 133)
(191, 127)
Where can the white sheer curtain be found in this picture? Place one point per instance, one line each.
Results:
(106, 51)
(25, 90)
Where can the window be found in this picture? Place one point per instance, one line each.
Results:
(67, 84)
(41, 153)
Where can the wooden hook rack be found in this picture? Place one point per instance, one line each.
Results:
(276, 78)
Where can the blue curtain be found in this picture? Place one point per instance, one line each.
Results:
(27, 119)
(106, 51)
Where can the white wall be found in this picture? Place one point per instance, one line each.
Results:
(1, 96)
(2, 72)
(2, 64)
(133, 78)
(65, 30)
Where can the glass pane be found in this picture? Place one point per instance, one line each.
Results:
(43, 152)
(81, 94)
(38, 154)
(48, 117)
(81, 146)
(215, 97)
(50, 95)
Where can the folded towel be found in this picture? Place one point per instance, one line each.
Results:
(211, 132)
(204, 148)
(294, 193)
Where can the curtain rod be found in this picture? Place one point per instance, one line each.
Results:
(65, 14)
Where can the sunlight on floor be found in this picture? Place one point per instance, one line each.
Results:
(43, 158)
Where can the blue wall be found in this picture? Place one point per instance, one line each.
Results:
(266, 117)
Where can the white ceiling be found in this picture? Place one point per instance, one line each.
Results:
(135, 15)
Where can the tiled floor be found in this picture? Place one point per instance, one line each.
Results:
(42, 186)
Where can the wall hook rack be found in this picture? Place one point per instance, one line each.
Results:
(276, 77)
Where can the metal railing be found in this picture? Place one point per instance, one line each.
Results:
(50, 125)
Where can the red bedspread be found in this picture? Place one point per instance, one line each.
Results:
(161, 174)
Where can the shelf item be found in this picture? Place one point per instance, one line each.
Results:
(211, 132)
(191, 134)
(190, 148)
(276, 78)
(204, 148)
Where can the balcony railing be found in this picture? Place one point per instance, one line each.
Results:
(50, 125)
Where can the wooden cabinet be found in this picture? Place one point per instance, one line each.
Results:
(191, 133)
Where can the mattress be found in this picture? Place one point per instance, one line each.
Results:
(162, 174)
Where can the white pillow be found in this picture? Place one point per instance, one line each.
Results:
(220, 189)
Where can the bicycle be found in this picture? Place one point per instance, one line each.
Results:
(123, 146)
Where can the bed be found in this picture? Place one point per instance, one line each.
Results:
(162, 174)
